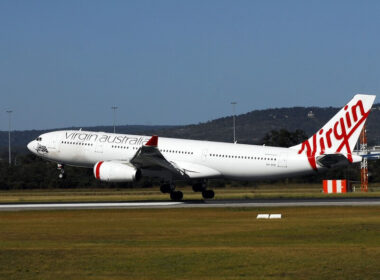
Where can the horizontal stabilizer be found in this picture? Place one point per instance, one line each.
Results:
(334, 160)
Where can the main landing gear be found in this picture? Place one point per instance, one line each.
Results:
(178, 195)
(170, 188)
(202, 187)
(61, 170)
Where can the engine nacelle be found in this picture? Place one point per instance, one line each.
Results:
(116, 172)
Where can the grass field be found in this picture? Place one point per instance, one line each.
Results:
(308, 243)
(262, 191)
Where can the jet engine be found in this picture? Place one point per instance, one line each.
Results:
(111, 171)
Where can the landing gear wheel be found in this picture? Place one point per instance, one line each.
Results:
(176, 195)
(208, 194)
(166, 188)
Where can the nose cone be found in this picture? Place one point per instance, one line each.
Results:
(31, 146)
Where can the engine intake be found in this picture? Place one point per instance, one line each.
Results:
(116, 172)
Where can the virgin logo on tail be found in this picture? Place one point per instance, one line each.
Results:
(335, 136)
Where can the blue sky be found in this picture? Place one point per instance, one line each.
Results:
(65, 63)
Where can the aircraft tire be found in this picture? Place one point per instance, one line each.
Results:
(166, 188)
(208, 194)
(176, 195)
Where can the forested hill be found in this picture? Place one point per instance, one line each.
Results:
(250, 127)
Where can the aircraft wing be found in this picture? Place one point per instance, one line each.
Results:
(149, 158)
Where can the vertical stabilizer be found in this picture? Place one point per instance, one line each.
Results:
(340, 134)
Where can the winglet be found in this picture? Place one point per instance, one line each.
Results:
(153, 142)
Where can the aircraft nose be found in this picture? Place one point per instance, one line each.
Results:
(31, 146)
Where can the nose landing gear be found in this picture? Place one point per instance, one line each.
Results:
(61, 170)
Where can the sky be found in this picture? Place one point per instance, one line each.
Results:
(66, 63)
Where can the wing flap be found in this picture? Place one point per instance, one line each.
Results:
(196, 171)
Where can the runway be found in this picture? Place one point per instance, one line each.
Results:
(281, 202)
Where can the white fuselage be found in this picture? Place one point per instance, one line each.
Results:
(123, 158)
(216, 159)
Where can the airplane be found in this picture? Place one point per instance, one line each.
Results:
(128, 158)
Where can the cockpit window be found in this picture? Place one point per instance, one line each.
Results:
(38, 139)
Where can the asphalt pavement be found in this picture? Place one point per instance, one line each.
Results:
(280, 202)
